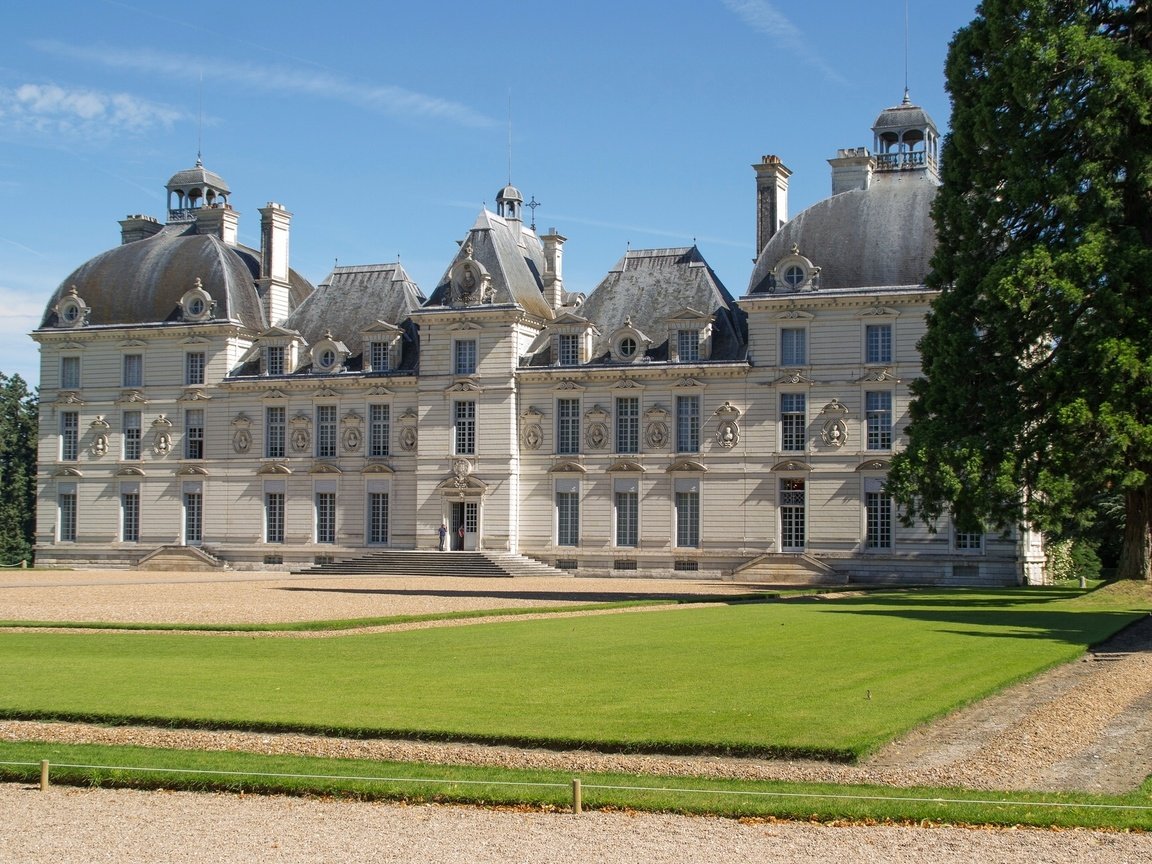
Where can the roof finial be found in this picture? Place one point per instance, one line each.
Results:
(200, 125)
(509, 136)
(907, 100)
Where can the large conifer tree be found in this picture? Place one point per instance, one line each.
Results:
(17, 469)
(1037, 395)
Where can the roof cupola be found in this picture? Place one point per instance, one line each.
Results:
(906, 139)
(194, 188)
(509, 202)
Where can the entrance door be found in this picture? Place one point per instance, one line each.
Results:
(464, 525)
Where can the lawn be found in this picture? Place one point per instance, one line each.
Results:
(832, 678)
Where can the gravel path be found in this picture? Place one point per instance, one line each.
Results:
(1087, 725)
(72, 826)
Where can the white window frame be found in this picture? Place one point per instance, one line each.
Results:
(793, 346)
(379, 429)
(194, 433)
(688, 423)
(688, 346)
(275, 431)
(686, 506)
(465, 356)
(798, 500)
(275, 510)
(132, 370)
(626, 513)
(568, 426)
(879, 516)
(567, 349)
(195, 365)
(878, 428)
(627, 424)
(67, 513)
(326, 431)
(464, 427)
(129, 512)
(566, 495)
(133, 435)
(275, 359)
(793, 422)
(879, 343)
(69, 436)
(70, 372)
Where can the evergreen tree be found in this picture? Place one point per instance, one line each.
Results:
(1037, 395)
(17, 469)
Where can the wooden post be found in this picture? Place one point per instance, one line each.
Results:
(43, 775)
(576, 803)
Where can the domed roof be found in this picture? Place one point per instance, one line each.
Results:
(196, 177)
(509, 193)
(142, 282)
(902, 117)
(882, 236)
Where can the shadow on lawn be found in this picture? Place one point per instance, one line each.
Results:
(1076, 627)
(557, 596)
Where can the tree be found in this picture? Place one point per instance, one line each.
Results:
(1037, 390)
(17, 469)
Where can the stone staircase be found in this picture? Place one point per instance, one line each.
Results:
(785, 569)
(180, 558)
(499, 565)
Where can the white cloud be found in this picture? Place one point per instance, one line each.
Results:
(276, 78)
(49, 109)
(764, 18)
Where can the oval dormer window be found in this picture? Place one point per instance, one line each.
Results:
(794, 276)
(327, 358)
(70, 312)
(196, 307)
(627, 347)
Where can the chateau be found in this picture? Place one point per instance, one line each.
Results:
(202, 399)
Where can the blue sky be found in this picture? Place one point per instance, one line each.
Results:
(384, 127)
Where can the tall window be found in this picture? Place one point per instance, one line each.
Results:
(194, 367)
(967, 541)
(568, 513)
(878, 416)
(687, 424)
(688, 345)
(464, 360)
(193, 514)
(379, 429)
(628, 424)
(66, 505)
(567, 425)
(194, 433)
(878, 343)
(70, 373)
(687, 513)
(377, 517)
(325, 431)
(132, 373)
(274, 431)
(464, 426)
(325, 517)
(131, 435)
(793, 421)
(567, 349)
(878, 517)
(274, 360)
(130, 516)
(792, 514)
(69, 435)
(793, 346)
(627, 513)
(273, 516)
(378, 356)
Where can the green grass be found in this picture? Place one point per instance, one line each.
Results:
(825, 678)
(236, 772)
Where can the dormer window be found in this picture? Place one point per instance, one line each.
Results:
(378, 357)
(794, 272)
(628, 344)
(328, 354)
(567, 349)
(197, 304)
(626, 347)
(688, 345)
(794, 276)
(72, 311)
(274, 360)
(326, 359)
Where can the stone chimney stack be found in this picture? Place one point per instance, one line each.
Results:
(771, 198)
(219, 220)
(852, 169)
(273, 284)
(137, 227)
(553, 268)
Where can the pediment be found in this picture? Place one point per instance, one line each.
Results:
(791, 465)
(569, 319)
(627, 384)
(687, 313)
(795, 315)
(278, 332)
(379, 390)
(874, 465)
(67, 471)
(466, 385)
(686, 383)
(274, 393)
(71, 346)
(68, 397)
(793, 376)
(325, 468)
(465, 325)
(131, 397)
(567, 466)
(195, 340)
(876, 376)
(129, 471)
(879, 311)
(274, 468)
(133, 343)
(569, 384)
(597, 413)
(325, 393)
(377, 468)
(626, 465)
(686, 466)
(194, 394)
(379, 326)
(192, 470)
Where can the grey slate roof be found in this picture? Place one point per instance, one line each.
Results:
(142, 282)
(882, 235)
(901, 117)
(513, 257)
(350, 299)
(196, 177)
(647, 286)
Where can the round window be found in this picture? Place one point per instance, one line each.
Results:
(794, 276)
(627, 347)
(196, 307)
(70, 312)
(327, 358)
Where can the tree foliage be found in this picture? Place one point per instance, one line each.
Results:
(1037, 388)
(18, 423)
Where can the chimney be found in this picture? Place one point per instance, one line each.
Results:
(273, 284)
(553, 268)
(852, 169)
(219, 220)
(771, 199)
(137, 227)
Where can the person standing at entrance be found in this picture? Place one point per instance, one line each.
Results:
(460, 534)
(443, 537)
